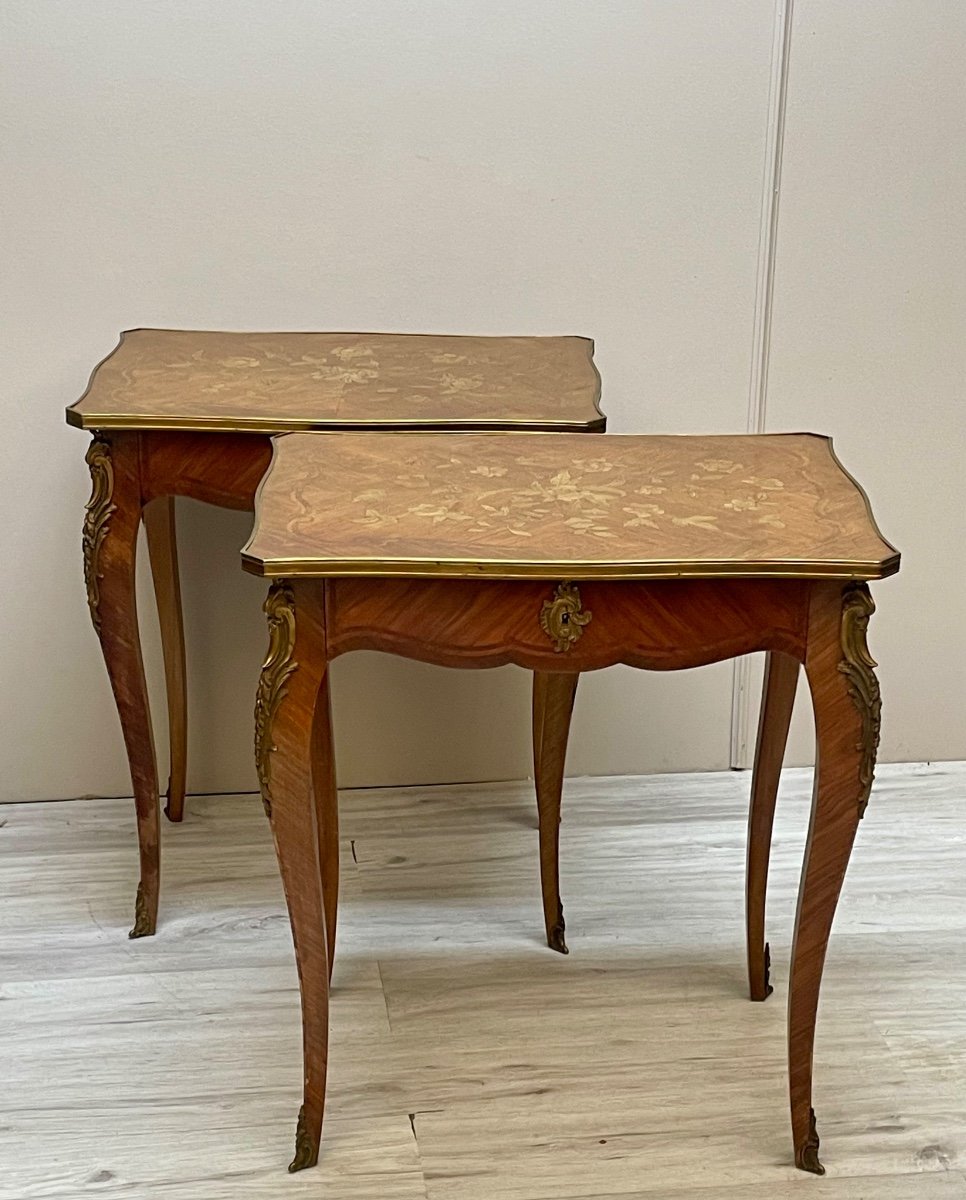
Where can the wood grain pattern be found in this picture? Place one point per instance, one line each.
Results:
(563, 506)
(778, 699)
(485, 623)
(325, 792)
(203, 404)
(841, 746)
(215, 468)
(268, 382)
(159, 526)
(291, 808)
(650, 624)
(115, 621)
(553, 704)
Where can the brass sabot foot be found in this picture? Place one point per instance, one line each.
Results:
(766, 988)
(806, 1155)
(143, 923)
(555, 936)
(306, 1147)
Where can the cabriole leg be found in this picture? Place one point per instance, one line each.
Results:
(553, 703)
(845, 695)
(326, 811)
(288, 692)
(159, 526)
(110, 544)
(777, 701)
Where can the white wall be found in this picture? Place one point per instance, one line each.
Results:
(868, 339)
(452, 166)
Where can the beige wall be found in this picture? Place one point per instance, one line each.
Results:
(868, 339)
(472, 166)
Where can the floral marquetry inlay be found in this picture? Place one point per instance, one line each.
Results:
(190, 379)
(539, 504)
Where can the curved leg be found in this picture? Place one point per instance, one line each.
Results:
(110, 544)
(845, 695)
(326, 812)
(288, 691)
(553, 703)
(163, 552)
(777, 701)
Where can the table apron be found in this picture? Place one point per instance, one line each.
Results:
(218, 468)
(657, 625)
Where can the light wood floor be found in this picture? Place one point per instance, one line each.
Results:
(468, 1061)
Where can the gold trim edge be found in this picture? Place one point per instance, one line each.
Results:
(279, 607)
(587, 572)
(862, 492)
(280, 425)
(97, 520)
(863, 687)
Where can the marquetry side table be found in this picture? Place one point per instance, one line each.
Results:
(563, 555)
(190, 413)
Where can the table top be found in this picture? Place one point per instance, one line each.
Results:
(562, 506)
(276, 382)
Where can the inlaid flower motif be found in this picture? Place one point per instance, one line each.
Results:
(344, 375)
(642, 515)
(587, 499)
(719, 466)
(447, 359)
(593, 464)
(567, 490)
(588, 526)
(768, 485)
(439, 512)
(451, 384)
(347, 353)
(240, 361)
(373, 517)
(698, 522)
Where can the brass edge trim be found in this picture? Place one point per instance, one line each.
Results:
(97, 520)
(407, 333)
(257, 498)
(82, 420)
(293, 425)
(863, 687)
(72, 409)
(865, 499)
(586, 572)
(595, 399)
(276, 669)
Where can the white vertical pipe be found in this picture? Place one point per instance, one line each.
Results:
(742, 700)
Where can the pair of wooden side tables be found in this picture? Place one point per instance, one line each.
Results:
(559, 551)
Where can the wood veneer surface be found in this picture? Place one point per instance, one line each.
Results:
(266, 382)
(574, 506)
